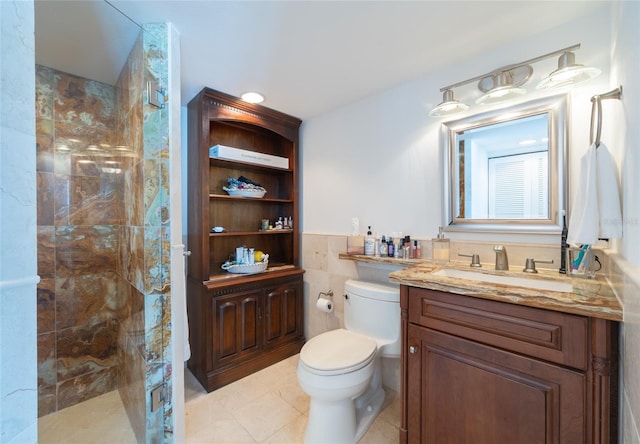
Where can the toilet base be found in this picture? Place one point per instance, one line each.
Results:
(366, 414)
(345, 421)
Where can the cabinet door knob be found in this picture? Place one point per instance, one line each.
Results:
(413, 349)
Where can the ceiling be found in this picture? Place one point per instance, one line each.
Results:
(306, 57)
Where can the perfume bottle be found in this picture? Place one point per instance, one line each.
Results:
(441, 248)
(383, 247)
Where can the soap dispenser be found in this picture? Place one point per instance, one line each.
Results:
(441, 248)
(369, 243)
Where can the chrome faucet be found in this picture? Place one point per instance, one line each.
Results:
(502, 263)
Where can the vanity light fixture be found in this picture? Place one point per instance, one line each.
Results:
(448, 106)
(505, 88)
(252, 97)
(505, 83)
(568, 73)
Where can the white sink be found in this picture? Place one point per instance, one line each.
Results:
(538, 284)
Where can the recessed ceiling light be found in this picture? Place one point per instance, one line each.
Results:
(252, 97)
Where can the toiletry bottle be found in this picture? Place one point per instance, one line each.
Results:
(406, 248)
(383, 247)
(418, 250)
(414, 250)
(563, 245)
(355, 242)
(441, 247)
(397, 247)
(390, 248)
(369, 243)
(376, 249)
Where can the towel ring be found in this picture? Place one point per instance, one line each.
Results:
(596, 109)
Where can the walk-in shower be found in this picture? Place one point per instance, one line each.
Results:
(102, 181)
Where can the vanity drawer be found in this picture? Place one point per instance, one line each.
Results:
(548, 335)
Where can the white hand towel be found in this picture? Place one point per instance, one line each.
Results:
(610, 215)
(583, 223)
(596, 208)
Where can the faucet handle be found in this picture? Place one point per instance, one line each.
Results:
(475, 259)
(530, 265)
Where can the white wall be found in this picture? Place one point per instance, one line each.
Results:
(623, 139)
(622, 127)
(18, 279)
(379, 159)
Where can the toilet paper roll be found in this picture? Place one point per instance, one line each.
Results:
(324, 305)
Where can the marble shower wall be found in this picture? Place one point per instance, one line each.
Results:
(80, 191)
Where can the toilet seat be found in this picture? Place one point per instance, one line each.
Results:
(337, 352)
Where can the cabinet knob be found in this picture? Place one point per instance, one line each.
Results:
(413, 349)
(187, 253)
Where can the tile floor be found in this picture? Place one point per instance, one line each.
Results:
(99, 420)
(266, 407)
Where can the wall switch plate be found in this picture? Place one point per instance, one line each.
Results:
(157, 398)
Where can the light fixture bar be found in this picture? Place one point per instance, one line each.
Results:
(506, 68)
(505, 83)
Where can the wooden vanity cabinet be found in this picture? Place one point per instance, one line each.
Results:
(239, 323)
(482, 371)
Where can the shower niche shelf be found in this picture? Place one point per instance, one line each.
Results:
(240, 323)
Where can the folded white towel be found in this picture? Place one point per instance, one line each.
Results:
(596, 209)
(583, 223)
(610, 222)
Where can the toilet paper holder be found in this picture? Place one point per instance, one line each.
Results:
(325, 301)
(328, 294)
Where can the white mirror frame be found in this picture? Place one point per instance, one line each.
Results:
(557, 108)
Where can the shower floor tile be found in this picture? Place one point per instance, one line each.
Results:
(99, 420)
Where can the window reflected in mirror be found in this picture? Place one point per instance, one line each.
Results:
(507, 174)
(504, 170)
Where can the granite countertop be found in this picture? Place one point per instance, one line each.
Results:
(590, 297)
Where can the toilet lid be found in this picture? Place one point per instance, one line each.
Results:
(337, 352)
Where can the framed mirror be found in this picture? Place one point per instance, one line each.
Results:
(505, 170)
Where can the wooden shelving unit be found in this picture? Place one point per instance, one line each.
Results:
(241, 323)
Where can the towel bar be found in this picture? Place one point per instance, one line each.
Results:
(596, 108)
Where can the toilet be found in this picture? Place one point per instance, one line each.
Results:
(341, 371)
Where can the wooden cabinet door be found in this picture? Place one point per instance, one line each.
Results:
(236, 321)
(460, 391)
(283, 313)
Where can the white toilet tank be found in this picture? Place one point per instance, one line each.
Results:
(373, 310)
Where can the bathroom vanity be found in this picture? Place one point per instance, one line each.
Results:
(494, 363)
